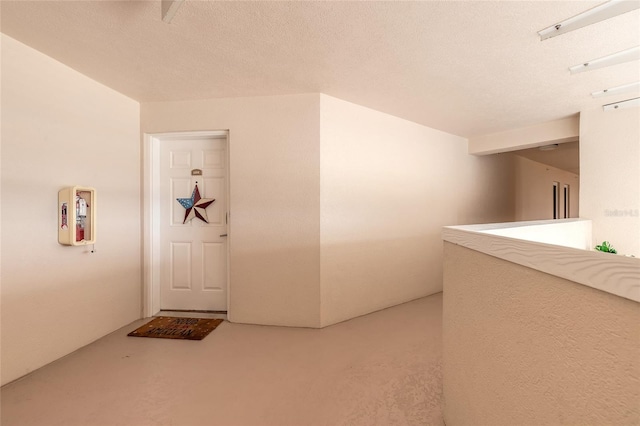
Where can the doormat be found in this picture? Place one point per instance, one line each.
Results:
(177, 328)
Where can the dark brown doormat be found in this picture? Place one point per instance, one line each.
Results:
(177, 328)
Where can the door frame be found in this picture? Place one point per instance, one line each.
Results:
(151, 214)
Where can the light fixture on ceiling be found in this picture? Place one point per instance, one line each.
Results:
(549, 147)
(596, 14)
(631, 87)
(629, 103)
(631, 54)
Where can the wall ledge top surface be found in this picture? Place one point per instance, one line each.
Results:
(556, 247)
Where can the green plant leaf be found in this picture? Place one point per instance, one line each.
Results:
(606, 247)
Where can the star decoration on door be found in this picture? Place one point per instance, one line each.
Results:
(195, 206)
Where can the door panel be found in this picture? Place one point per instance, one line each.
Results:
(180, 263)
(193, 255)
(214, 269)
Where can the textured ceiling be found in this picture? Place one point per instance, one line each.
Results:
(468, 68)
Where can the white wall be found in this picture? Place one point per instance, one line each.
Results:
(534, 190)
(387, 186)
(610, 176)
(59, 128)
(274, 199)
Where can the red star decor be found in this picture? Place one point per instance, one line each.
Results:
(195, 206)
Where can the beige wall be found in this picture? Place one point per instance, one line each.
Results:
(334, 206)
(59, 128)
(556, 131)
(274, 199)
(519, 350)
(609, 167)
(610, 176)
(387, 186)
(534, 190)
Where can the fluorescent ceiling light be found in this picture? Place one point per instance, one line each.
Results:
(596, 14)
(617, 90)
(629, 103)
(632, 54)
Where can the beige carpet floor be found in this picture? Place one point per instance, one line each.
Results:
(379, 369)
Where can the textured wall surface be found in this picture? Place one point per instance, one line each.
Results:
(521, 347)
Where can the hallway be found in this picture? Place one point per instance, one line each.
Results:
(379, 369)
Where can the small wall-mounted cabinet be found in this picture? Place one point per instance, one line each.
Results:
(77, 216)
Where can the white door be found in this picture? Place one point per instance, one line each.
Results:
(193, 255)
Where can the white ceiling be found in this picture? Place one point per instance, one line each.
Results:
(468, 68)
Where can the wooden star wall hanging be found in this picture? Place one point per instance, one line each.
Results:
(195, 206)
